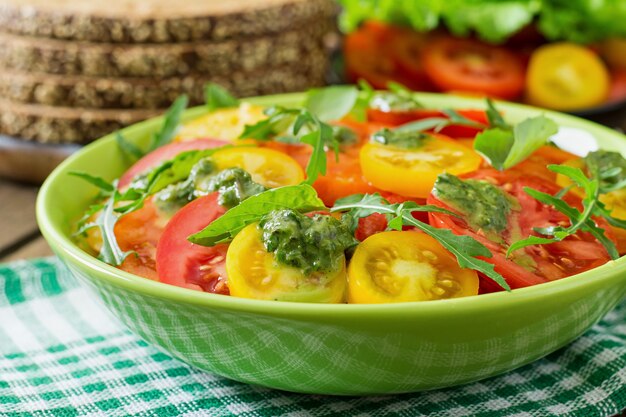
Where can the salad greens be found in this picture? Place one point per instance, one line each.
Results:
(582, 221)
(302, 198)
(582, 21)
(505, 146)
(466, 249)
(217, 97)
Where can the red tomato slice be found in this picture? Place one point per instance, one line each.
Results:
(164, 153)
(140, 232)
(471, 66)
(552, 261)
(617, 91)
(396, 118)
(184, 264)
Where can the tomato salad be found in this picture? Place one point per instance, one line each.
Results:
(359, 196)
(561, 75)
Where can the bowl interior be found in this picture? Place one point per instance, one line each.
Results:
(64, 198)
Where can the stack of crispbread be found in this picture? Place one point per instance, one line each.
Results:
(74, 70)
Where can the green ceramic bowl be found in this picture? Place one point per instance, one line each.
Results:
(333, 349)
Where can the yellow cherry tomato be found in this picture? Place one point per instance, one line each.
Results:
(255, 273)
(266, 166)
(566, 76)
(391, 267)
(412, 172)
(224, 124)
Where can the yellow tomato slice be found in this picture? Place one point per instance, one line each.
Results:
(412, 172)
(225, 124)
(392, 267)
(255, 273)
(266, 166)
(566, 76)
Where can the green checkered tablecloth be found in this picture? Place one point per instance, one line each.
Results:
(63, 354)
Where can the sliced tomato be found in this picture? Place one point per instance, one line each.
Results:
(396, 118)
(165, 153)
(140, 231)
(534, 264)
(393, 267)
(617, 91)
(471, 66)
(377, 222)
(184, 264)
(412, 172)
(538, 162)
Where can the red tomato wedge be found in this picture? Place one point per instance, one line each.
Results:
(470, 66)
(164, 153)
(533, 264)
(184, 264)
(396, 118)
(140, 232)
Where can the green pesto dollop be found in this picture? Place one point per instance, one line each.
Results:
(403, 139)
(610, 166)
(482, 204)
(311, 244)
(233, 185)
(394, 101)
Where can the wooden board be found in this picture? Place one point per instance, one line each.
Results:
(28, 162)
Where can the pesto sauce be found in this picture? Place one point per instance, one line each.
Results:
(402, 139)
(311, 244)
(233, 185)
(390, 101)
(482, 204)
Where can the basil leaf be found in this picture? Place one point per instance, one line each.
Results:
(332, 103)
(302, 198)
(217, 97)
(504, 148)
(170, 123)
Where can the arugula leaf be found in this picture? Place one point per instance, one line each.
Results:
(332, 103)
(495, 117)
(578, 221)
(217, 97)
(129, 149)
(457, 119)
(110, 252)
(170, 123)
(464, 248)
(304, 127)
(99, 182)
(504, 148)
(302, 198)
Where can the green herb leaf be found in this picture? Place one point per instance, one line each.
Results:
(302, 198)
(217, 97)
(170, 123)
(579, 221)
(495, 117)
(332, 103)
(110, 252)
(457, 119)
(105, 186)
(129, 150)
(403, 139)
(504, 148)
(464, 248)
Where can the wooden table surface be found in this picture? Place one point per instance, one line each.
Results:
(19, 234)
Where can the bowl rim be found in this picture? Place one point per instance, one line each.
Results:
(65, 247)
